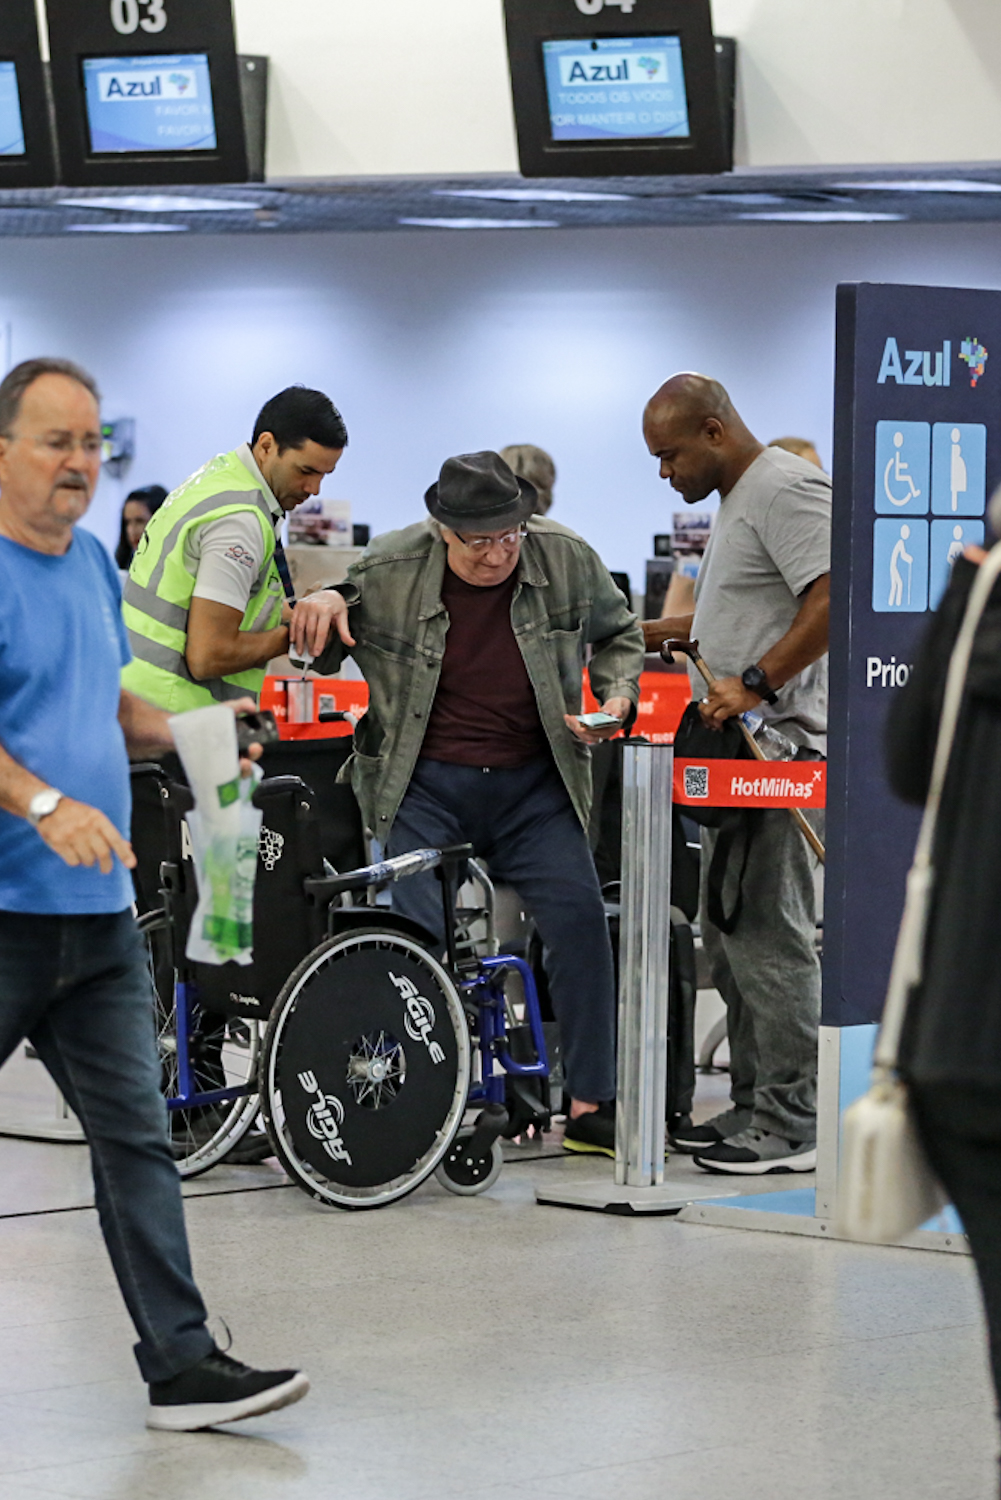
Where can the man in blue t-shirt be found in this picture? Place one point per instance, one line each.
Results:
(73, 974)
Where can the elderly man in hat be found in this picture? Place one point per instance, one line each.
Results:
(471, 629)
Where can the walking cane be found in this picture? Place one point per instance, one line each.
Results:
(691, 650)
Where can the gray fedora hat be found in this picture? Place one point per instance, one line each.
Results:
(480, 492)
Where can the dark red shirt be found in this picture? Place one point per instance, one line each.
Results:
(484, 712)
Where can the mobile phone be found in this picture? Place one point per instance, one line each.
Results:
(258, 728)
(599, 721)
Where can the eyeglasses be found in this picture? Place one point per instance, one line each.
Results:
(60, 442)
(483, 544)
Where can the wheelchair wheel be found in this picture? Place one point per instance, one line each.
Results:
(365, 1069)
(224, 1052)
(465, 1175)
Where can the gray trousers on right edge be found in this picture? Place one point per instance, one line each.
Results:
(768, 973)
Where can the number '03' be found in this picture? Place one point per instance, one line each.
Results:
(126, 16)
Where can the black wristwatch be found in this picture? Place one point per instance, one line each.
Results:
(755, 681)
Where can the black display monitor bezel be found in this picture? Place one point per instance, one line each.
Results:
(532, 22)
(78, 32)
(19, 45)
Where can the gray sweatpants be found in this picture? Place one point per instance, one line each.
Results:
(768, 974)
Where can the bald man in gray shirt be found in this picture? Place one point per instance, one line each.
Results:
(761, 620)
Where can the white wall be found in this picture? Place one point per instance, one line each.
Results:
(436, 342)
(400, 86)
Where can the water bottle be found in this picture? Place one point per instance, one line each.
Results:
(776, 746)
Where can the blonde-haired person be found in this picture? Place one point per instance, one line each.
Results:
(535, 465)
(802, 447)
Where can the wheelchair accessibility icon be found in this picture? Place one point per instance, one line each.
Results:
(903, 451)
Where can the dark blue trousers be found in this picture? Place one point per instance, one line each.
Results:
(79, 989)
(523, 823)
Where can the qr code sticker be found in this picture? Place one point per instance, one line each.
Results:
(697, 781)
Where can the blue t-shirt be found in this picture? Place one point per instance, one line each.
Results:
(62, 648)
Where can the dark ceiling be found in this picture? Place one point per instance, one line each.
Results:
(930, 194)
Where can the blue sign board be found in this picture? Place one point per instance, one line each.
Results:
(917, 443)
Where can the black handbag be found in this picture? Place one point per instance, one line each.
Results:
(694, 740)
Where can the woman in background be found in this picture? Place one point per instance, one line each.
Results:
(535, 465)
(139, 506)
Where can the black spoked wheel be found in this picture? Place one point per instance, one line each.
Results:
(365, 1069)
(224, 1053)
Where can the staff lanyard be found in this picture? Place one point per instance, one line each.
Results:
(281, 563)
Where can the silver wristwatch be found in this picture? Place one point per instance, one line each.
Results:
(43, 803)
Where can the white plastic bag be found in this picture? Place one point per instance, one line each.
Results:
(225, 829)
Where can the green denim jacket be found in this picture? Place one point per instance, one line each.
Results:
(564, 601)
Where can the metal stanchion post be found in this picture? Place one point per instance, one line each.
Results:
(644, 981)
(644, 964)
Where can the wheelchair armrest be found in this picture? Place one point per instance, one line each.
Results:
(322, 889)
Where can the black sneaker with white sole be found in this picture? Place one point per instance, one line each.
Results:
(755, 1153)
(220, 1389)
(691, 1138)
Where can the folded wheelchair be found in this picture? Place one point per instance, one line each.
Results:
(363, 1050)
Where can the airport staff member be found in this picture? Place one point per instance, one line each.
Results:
(73, 973)
(471, 628)
(761, 620)
(205, 605)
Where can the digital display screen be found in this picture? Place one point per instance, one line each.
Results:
(616, 88)
(11, 126)
(149, 104)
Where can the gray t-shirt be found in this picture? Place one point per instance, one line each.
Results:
(771, 539)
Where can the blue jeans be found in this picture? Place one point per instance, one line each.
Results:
(523, 823)
(79, 989)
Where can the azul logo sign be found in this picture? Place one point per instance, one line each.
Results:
(973, 354)
(324, 1119)
(170, 83)
(614, 67)
(918, 366)
(419, 1016)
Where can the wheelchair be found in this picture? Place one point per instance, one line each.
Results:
(362, 1048)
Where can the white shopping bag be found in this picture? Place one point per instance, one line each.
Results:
(225, 829)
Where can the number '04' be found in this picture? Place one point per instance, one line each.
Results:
(592, 7)
(126, 15)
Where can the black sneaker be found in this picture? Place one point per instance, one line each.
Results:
(220, 1389)
(691, 1138)
(757, 1153)
(592, 1133)
(252, 1149)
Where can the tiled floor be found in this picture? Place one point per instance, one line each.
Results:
(489, 1347)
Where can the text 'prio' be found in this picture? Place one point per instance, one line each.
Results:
(880, 673)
